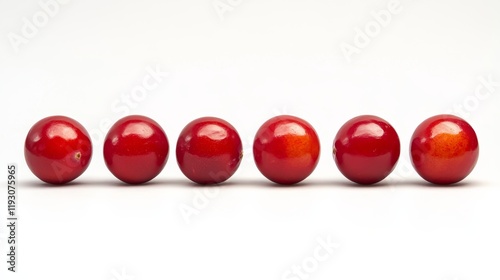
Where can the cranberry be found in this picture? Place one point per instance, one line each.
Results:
(444, 149)
(209, 150)
(136, 149)
(286, 149)
(57, 149)
(366, 149)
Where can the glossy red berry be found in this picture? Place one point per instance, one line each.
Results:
(57, 149)
(444, 149)
(136, 149)
(286, 149)
(366, 149)
(209, 150)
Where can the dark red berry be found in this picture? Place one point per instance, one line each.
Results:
(366, 149)
(209, 150)
(136, 149)
(57, 149)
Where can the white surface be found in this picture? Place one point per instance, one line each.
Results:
(264, 58)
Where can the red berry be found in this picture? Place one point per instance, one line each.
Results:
(209, 150)
(444, 149)
(366, 149)
(136, 149)
(286, 149)
(57, 149)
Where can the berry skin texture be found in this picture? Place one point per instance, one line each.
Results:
(286, 149)
(57, 149)
(209, 150)
(136, 149)
(366, 149)
(444, 149)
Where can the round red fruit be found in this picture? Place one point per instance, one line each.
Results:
(57, 149)
(286, 149)
(444, 149)
(136, 149)
(209, 150)
(366, 149)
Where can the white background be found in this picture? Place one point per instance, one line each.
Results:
(253, 61)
